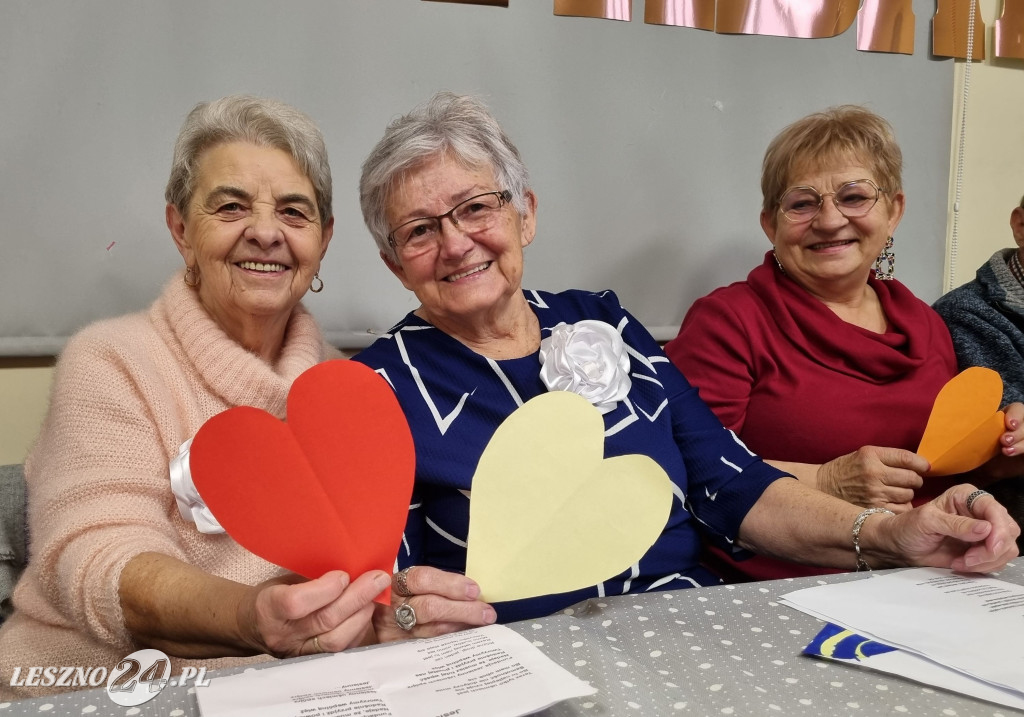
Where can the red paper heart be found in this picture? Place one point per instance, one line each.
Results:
(329, 489)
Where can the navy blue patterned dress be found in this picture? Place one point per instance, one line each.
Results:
(454, 399)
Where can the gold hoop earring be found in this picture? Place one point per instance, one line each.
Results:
(191, 277)
(314, 287)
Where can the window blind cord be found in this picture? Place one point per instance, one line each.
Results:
(954, 239)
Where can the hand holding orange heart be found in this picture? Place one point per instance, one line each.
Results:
(965, 423)
(327, 490)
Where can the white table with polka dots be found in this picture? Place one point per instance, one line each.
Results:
(728, 650)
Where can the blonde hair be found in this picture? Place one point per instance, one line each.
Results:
(825, 138)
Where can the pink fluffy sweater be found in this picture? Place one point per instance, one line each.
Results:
(127, 393)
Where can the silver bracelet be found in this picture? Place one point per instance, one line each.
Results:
(857, 525)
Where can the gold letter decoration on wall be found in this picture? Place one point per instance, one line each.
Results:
(949, 30)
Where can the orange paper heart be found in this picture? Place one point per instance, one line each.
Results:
(329, 489)
(965, 423)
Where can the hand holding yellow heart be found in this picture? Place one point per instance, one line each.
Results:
(549, 514)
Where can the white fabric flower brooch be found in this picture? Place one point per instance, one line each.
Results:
(587, 358)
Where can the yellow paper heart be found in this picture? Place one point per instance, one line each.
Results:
(549, 514)
(965, 423)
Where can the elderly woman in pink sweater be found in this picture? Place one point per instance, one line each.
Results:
(114, 567)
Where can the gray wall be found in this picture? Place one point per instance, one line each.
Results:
(644, 142)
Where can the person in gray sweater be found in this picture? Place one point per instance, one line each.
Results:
(986, 320)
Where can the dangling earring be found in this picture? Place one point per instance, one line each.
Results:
(777, 262)
(191, 277)
(314, 287)
(885, 264)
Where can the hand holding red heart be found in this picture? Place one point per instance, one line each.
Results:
(327, 490)
(290, 616)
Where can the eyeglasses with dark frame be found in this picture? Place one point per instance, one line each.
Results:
(853, 199)
(476, 214)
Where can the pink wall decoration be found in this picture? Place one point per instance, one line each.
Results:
(1010, 30)
(882, 25)
(606, 9)
(496, 3)
(788, 18)
(699, 14)
(886, 26)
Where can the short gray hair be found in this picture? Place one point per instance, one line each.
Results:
(460, 126)
(260, 121)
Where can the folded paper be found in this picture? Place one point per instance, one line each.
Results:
(837, 643)
(327, 490)
(965, 424)
(549, 514)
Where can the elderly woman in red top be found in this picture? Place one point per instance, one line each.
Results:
(819, 361)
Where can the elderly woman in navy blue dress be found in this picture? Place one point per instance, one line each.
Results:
(448, 201)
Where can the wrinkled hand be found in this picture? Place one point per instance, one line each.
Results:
(286, 613)
(1008, 461)
(873, 477)
(944, 534)
(1014, 437)
(444, 602)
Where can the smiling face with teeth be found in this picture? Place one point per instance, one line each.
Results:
(467, 284)
(252, 232)
(831, 256)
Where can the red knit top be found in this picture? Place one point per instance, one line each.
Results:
(797, 383)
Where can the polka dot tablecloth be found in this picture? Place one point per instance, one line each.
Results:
(729, 650)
